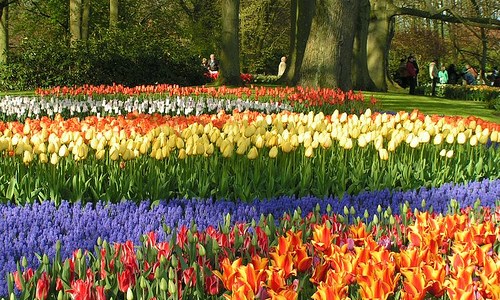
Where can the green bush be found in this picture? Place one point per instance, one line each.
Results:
(123, 57)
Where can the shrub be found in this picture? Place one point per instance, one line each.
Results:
(126, 57)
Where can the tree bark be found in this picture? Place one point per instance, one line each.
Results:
(329, 50)
(229, 73)
(301, 15)
(75, 20)
(4, 35)
(379, 43)
(113, 13)
(85, 19)
(361, 77)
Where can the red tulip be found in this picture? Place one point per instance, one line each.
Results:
(82, 290)
(27, 275)
(42, 287)
(189, 277)
(126, 279)
(212, 285)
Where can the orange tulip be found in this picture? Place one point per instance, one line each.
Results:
(415, 285)
(435, 277)
(229, 271)
(251, 277)
(322, 238)
(330, 292)
(461, 286)
(283, 262)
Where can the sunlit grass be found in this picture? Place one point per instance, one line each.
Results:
(397, 101)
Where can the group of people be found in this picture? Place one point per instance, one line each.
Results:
(408, 73)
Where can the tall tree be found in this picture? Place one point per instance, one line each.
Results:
(4, 34)
(230, 46)
(75, 20)
(301, 17)
(329, 49)
(113, 13)
(85, 19)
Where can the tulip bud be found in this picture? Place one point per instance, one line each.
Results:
(163, 284)
(449, 154)
(201, 250)
(442, 152)
(172, 289)
(130, 295)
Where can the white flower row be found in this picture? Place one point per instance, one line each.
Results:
(20, 107)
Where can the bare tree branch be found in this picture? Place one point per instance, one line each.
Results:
(452, 17)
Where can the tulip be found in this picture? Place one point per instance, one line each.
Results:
(438, 139)
(273, 152)
(253, 153)
(383, 154)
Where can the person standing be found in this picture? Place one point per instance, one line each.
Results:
(470, 75)
(213, 64)
(443, 75)
(412, 74)
(417, 70)
(282, 66)
(433, 74)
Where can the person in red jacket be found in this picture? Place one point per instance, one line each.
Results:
(412, 74)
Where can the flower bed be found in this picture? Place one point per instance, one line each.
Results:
(256, 167)
(412, 256)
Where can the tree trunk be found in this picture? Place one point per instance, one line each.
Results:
(301, 15)
(4, 35)
(113, 13)
(379, 41)
(230, 50)
(85, 19)
(329, 50)
(75, 20)
(361, 76)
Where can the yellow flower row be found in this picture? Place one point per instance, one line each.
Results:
(284, 132)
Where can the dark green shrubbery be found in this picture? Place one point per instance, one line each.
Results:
(125, 57)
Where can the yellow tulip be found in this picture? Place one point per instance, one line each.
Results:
(182, 154)
(383, 154)
(273, 152)
(27, 157)
(438, 139)
(200, 148)
(495, 136)
(461, 139)
(286, 147)
(100, 154)
(210, 149)
(43, 158)
(114, 154)
(450, 138)
(54, 159)
(449, 154)
(442, 152)
(165, 151)
(179, 143)
(253, 153)
(348, 144)
(309, 151)
(63, 151)
(249, 131)
(228, 151)
(414, 142)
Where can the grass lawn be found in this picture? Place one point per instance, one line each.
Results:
(401, 100)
